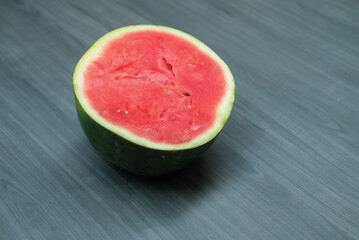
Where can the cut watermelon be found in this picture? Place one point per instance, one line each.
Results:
(152, 98)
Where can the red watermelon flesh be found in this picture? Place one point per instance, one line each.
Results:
(157, 85)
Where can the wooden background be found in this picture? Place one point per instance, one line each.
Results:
(286, 166)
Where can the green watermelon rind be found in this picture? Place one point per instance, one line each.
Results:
(131, 156)
(133, 153)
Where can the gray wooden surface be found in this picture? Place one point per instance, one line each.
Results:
(286, 166)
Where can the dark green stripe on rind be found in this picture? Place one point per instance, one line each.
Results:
(132, 157)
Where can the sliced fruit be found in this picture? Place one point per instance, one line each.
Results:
(152, 98)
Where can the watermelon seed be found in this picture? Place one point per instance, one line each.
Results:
(189, 106)
(118, 110)
(186, 94)
(126, 112)
(124, 54)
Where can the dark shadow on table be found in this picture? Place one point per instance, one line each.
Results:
(169, 196)
(193, 176)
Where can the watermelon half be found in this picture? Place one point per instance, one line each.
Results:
(150, 98)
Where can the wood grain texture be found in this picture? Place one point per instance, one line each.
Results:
(286, 166)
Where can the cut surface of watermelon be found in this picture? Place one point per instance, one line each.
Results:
(155, 86)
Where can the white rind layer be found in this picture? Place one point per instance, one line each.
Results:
(223, 109)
